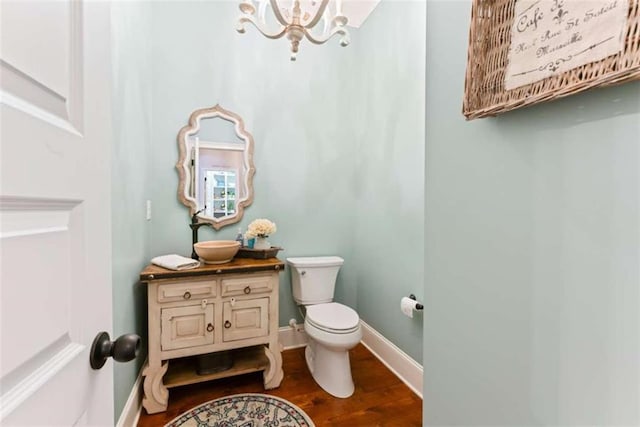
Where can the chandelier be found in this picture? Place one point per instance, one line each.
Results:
(296, 19)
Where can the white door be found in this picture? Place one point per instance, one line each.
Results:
(55, 212)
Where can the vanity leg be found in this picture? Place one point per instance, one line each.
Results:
(156, 395)
(274, 374)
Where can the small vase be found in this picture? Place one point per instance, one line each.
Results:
(261, 243)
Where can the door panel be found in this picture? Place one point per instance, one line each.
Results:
(55, 212)
(245, 319)
(42, 238)
(189, 326)
(42, 58)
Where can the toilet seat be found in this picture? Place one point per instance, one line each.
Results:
(333, 317)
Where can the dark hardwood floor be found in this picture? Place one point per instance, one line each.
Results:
(380, 398)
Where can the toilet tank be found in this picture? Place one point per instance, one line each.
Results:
(313, 279)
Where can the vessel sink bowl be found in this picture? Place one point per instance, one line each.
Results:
(217, 251)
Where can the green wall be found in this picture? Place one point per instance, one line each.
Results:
(339, 143)
(389, 185)
(132, 107)
(531, 232)
(338, 148)
(532, 227)
(296, 112)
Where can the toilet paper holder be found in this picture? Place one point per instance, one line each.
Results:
(418, 305)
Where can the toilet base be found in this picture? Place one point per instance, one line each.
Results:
(330, 369)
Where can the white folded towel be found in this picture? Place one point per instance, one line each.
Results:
(175, 262)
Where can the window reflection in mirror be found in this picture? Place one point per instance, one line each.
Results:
(219, 192)
(216, 166)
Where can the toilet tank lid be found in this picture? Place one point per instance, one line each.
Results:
(315, 261)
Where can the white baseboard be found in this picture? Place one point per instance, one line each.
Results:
(131, 412)
(292, 338)
(401, 364)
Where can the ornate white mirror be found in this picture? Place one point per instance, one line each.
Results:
(215, 166)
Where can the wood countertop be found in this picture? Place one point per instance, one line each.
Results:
(237, 265)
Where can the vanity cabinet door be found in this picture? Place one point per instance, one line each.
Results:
(189, 326)
(245, 319)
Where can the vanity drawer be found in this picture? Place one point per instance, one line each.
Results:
(245, 319)
(189, 326)
(246, 285)
(184, 291)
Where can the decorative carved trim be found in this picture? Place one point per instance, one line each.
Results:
(156, 395)
(274, 374)
(241, 132)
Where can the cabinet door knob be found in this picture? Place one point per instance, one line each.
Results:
(210, 327)
(187, 295)
(227, 324)
(247, 290)
(277, 267)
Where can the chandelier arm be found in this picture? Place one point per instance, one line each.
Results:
(278, 14)
(262, 11)
(316, 18)
(250, 19)
(327, 22)
(344, 40)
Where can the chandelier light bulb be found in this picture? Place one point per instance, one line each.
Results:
(296, 20)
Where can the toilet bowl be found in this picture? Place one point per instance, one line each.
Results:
(332, 328)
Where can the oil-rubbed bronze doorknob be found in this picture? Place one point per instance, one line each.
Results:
(210, 327)
(123, 349)
(247, 290)
(187, 295)
(227, 324)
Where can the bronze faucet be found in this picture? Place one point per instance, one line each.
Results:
(194, 232)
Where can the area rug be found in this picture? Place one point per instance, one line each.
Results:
(244, 410)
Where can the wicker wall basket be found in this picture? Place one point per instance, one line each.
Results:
(489, 44)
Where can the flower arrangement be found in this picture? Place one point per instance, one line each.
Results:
(260, 228)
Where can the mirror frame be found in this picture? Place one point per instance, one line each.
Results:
(185, 172)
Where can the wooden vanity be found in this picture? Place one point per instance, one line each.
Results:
(214, 308)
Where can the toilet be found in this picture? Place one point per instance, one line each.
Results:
(333, 329)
